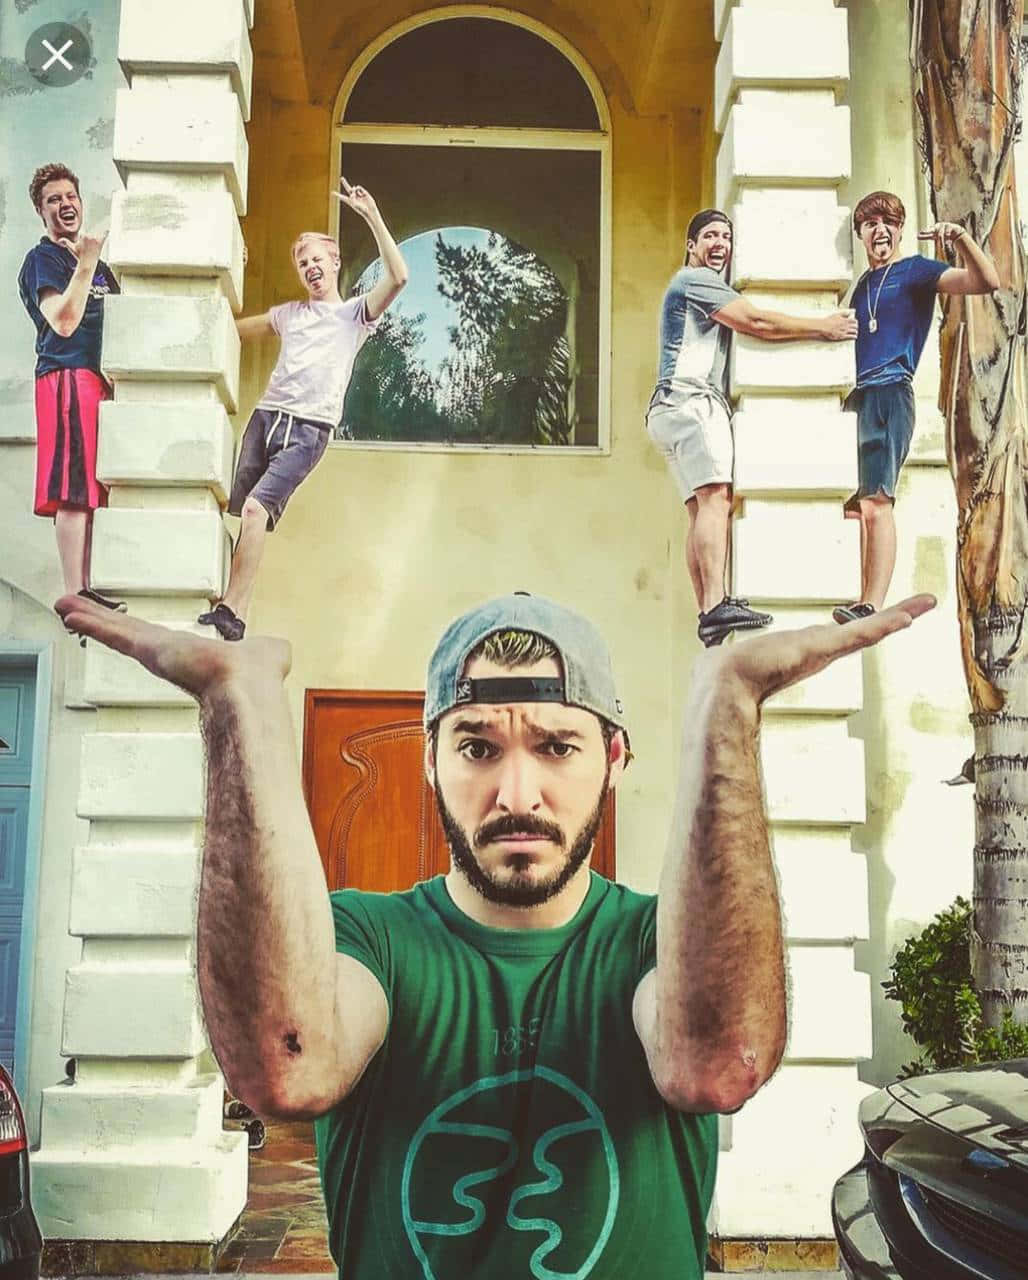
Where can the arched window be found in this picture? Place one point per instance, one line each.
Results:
(487, 149)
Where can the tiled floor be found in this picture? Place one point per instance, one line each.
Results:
(283, 1228)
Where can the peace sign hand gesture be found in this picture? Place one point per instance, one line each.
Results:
(358, 199)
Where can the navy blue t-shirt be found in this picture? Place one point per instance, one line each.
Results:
(51, 266)
(903, 309)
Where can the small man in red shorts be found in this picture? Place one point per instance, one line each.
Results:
(63, 283)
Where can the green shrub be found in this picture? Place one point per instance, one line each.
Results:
(931, 979)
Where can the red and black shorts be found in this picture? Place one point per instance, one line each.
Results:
(67, 408)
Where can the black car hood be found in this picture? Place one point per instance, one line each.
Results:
(986, 1105)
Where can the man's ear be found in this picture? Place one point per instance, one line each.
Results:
(430, 760)
(618, 756)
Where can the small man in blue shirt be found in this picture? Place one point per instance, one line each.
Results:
(894, 302)
(689, 418)
(63, 284)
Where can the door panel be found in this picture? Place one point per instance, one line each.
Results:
(373, 813)
(17, 712)
(17, 709)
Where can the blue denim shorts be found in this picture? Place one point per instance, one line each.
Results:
(885, 426)
(278, 452)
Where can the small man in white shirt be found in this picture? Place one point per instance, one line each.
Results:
(290, 428)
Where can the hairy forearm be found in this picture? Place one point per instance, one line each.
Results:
(266, 945)
(720, 993)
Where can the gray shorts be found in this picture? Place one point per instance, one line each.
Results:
(278, 451)
(885, 427)
(693, 430)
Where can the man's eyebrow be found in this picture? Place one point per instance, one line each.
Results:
(471, 726)
(536, 730)
(559, 735)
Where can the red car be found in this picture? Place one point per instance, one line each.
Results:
(20, 1241)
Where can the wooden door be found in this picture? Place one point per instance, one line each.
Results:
(373, 813)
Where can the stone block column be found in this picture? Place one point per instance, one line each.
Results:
(133, 1150)
(784, 150)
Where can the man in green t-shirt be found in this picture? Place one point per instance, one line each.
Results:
(515, 1068)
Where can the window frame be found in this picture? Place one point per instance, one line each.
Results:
(468, 136)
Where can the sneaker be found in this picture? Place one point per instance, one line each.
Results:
(732, 614)
(256, 1134)
(87, 593)
(224, 621)
(843, 613)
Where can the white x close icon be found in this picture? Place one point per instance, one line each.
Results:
(57, 55)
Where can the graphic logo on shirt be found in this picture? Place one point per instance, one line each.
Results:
(562, 1208)
(100, 287)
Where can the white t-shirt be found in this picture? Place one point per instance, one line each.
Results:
(320, 341)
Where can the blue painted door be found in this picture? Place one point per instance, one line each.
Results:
(17, 716)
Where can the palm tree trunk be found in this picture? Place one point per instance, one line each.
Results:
(966, 54)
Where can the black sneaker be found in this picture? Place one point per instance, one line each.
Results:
(87, 593)
(843, 613)
(732, 614)
(224, 621)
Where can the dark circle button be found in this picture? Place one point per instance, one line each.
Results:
(58, 54)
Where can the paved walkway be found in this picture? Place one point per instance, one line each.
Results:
(283, 1228)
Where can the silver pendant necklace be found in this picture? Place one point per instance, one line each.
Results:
(872, 311)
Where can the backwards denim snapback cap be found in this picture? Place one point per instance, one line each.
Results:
(587, 680)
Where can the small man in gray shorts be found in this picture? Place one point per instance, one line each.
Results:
(894, 302)
(290, 427)
(690, 419)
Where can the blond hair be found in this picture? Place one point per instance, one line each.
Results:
(314, 235)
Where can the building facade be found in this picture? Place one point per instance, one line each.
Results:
(202, 124)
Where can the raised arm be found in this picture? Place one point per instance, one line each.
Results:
(249, 327)
(776, 326)
(396, 273)
(712, 1016)
(292, 1023)
(978, 273)
(63, 312)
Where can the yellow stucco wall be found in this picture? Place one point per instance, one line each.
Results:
(380, 549)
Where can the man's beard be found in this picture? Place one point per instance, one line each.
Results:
(516, 892)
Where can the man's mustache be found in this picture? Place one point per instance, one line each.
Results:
(515, 824)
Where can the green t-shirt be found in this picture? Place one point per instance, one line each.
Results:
(508, 1127)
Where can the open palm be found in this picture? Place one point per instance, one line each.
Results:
(773, 660)
(191, 662)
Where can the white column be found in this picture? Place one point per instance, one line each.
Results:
(134, 1150)
(783, 152)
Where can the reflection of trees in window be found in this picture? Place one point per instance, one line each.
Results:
(503, 376)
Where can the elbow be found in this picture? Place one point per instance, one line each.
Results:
(62, 327)
(708, 1095)
(401, 277)
(717, 1087)
(279, 1100)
